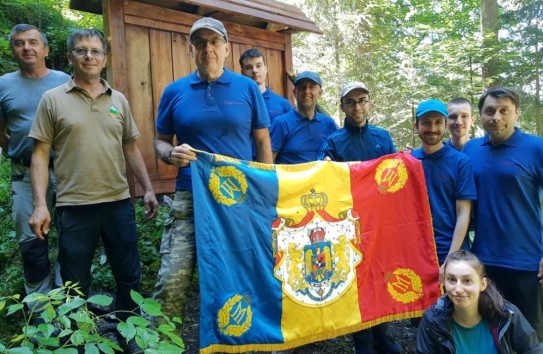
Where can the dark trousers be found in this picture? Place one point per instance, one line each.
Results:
(522, 289)
(365, 339)
(81, 227)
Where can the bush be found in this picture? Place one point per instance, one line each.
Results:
(67, 324)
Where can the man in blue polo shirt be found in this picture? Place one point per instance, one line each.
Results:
(253, 65)
(460, 119)
(449, 180)
(357, 140)
(360, 141)
(215, 110)
(508, 167)
(298, 135)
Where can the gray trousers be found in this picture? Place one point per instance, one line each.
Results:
(34, 252)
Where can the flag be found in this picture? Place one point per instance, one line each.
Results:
(293, 254)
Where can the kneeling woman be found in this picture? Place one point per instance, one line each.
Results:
(473, 317)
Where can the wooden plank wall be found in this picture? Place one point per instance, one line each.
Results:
(156, 49)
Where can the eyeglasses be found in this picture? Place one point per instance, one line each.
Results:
(81, 52)
(200, 43)
(351, 102)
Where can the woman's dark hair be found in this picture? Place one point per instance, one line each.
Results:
(491, 303)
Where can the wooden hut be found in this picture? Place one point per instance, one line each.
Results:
(149, 48)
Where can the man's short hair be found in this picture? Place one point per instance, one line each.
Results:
(23, 27)
(249, 54)
(505, 93)
(461, 100)
(85, 33)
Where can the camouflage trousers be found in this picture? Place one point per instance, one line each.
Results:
(178, 251)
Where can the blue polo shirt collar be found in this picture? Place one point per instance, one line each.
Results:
(513, 140)
(436, 155)
(224, 79)
(300, 117)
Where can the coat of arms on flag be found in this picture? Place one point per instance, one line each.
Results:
(289, 255)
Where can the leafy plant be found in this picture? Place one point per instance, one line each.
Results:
(66, 324)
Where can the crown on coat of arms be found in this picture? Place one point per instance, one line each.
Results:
(314, 201)
(316, 235)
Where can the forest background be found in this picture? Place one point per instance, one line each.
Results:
(406, 51)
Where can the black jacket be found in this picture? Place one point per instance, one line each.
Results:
(513, 333)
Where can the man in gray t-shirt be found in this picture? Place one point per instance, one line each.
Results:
(20, 93)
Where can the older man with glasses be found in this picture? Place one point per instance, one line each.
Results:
(215, 110)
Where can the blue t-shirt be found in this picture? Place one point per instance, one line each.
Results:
(508, 220)
(352, 143)
(449, 177)
(276, 105)
(475, 340)
(217, 117)
(297, 139)
(449, 142)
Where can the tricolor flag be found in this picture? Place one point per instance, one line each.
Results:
(290, 255)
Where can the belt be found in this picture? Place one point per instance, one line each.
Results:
(24, 161)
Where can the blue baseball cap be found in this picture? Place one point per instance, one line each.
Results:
(431, 105)
(310, 75)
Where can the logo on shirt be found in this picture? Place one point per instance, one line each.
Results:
(114, 112)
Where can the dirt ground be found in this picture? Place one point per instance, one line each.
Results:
(401, 331)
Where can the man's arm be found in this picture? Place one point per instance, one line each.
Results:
(263, 145)
(4, 137)
(463, 209)
(179, 156)
(40, 219)
(135, 161)
(540, 273)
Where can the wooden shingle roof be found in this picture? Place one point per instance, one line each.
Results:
(266, 14)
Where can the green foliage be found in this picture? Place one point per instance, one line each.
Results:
(53, 17)
(66, 324)
(407, 51)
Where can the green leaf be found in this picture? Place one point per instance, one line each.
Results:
(77, 338)
(81, 317)
(175, 339)
(48, 314)
(65, 332)
(46, 328)
(100, 300)
(43, 351)
(2, 305)
(166, 328)
(14, 308)
(138, 299)
(35, 297)
(48, 342)
(20, 350)
(66, 351)
(128, 331)
(91, 349)
(165, 348)
(106, 348)
(151, 307)
(137, 321)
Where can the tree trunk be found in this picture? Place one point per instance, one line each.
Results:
(489, 28)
